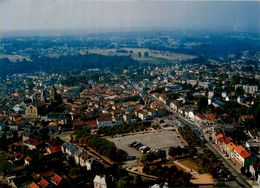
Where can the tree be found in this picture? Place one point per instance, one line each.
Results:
(4, 143)
(120, 154)
(239, 91)
(243, 170)
(202, 103)
(121, 183)
(74, 171)
(137, 181)
(162, 154)
(172, 152)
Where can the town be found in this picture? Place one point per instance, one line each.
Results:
(161, 118)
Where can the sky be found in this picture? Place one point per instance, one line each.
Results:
(17, 15)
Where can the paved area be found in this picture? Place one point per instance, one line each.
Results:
(162, 139)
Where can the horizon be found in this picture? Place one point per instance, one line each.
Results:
(106, 16)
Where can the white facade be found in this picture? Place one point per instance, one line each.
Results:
(248, 88)
(99, 182)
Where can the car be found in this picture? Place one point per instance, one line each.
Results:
(131, 145)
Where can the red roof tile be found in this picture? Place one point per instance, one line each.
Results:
(210, 116)
(43, 183)
(219, 136)
(56, 179)
(33, 185)
(54, 149)
(244, 154)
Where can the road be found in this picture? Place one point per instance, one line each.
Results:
(241, 181)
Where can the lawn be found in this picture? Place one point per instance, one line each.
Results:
(4, 164)
(192, 164)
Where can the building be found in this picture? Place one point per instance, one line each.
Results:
(248, 88)
(240, 155)
(31, 111)
(99, 182)
(105, 121)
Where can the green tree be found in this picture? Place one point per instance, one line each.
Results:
(121, 183)
(239, 91)
(202, 103)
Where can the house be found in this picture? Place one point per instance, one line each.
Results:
(19, 157)
(174, 105)
(53, 127)
(3, 126)
(229, 148)
(87, 162)
(59, 117)
(189, 114)
(254, 135)
(69, 148)
(27, 161)
(105, 121)
(31, 111)
(143, 114)
(83, 160)
(33, 185)
(82, 123)
(32, 143)
(254, 169)
(199, 118)
(240, 155)
(77, 154)
(53, 149)
(99, 182)
(44, 183)
(56, 179)
(129, 118)
(210, 118)
(19, 109)
(248, 88)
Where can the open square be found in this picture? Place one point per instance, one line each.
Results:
(161, 139)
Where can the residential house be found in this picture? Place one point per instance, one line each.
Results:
(129, 118)
(248, 88)
(53, 149)
(56, 179)
(44, 183)
(27, 161)
(229, 148)
(189, 114)
(69, 148)
(254, 169)
(199, 119)
(53, 127)
(254, 135)
(31, 111)
(174, 105)
(88, 124)
(33, 185)
(240, 155)
(3, 126)
(77, 155)
(105, 121)
(32, 143)
(99, 182)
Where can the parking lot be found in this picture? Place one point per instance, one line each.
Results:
(160, 139)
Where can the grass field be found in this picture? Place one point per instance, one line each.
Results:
(192, 164)
(154, 55)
